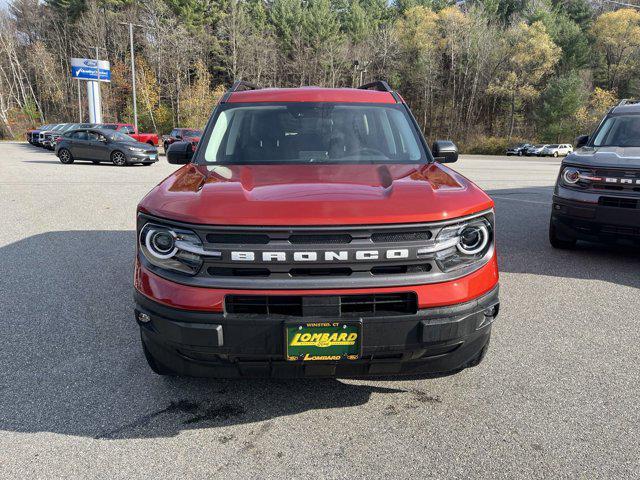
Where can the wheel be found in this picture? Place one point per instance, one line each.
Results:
(118, 159)
(65, 156)
(520, 154)
(555, 154)
(560, 243)
(154, 365)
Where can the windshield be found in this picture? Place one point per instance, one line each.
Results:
(191, 133)
(312, 133)
(119, 137)
(619, 131)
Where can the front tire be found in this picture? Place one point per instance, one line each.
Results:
(555, 154)
(558, 242)
(118, 159)
(519, 154)
(65, 156)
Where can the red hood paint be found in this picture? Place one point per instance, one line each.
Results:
(277, 195)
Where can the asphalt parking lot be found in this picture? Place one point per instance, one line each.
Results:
(556, 397)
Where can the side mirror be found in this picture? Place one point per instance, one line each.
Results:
(179, 137)
(444, 151)
(582, 140)
(180, 153)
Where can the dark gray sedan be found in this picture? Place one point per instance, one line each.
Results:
(103, 145)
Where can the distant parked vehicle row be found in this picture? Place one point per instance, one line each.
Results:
(46, 135)
(117, 143)
(540, 150)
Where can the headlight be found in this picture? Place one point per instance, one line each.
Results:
(571, 175)
(464, 244)
(174, 249)
(473, 239)
(577, 177)
(136, 149)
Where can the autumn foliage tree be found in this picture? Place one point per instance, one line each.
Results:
(491, 69)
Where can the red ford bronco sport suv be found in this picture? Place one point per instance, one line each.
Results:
(314, 233)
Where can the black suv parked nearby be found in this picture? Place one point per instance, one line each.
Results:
(597, 194)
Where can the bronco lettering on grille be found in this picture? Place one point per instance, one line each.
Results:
(327, 256)
(628, 181)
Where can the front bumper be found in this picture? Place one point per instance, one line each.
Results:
(141, 157)
(591, 221)
(432, 342)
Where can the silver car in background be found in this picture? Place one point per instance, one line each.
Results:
(556, 150)
(534, 150)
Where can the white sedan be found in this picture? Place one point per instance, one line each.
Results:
(557, 150)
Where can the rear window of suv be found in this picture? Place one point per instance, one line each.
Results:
(304, 132)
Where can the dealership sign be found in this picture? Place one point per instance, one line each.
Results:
(90, 69)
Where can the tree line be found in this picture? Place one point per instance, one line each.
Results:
(480, 72)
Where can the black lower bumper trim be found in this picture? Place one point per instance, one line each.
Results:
(433, 341)
(595, 222)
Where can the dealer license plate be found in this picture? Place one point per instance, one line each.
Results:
(323, 341)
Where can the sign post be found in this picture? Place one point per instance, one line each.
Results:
(93, 71)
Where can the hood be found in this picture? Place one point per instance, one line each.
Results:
(309, 194)
(621, 157)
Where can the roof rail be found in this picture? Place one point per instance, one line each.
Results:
(627, 101)
(380, 86)
(241, 85)
(238, 86)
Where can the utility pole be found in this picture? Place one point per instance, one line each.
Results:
(360, 68)
(133, 72)
(79, 103)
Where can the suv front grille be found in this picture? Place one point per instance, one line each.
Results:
(322, 257)
(616, 180)
(404, 303)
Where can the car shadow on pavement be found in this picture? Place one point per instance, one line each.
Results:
(72, 361)
(522, 218)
